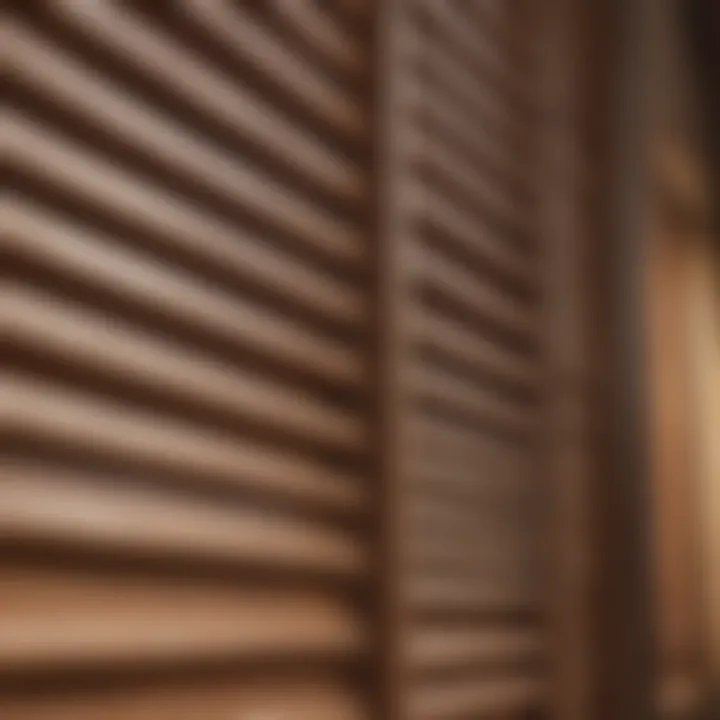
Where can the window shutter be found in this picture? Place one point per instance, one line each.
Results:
(188, 323)
(464, 361)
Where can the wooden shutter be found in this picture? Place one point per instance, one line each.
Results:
(184, 508)
(464, 360)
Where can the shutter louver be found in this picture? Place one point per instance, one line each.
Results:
(187, 322)
(466, 364)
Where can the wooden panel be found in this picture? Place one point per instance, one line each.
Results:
(465, 367)
(186, 502)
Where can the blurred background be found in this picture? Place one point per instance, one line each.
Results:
(361, 360)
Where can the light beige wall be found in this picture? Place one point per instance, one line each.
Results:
(703, 312)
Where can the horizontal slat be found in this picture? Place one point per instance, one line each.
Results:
(441, 557)
(454, 169)
(493, 512)
(477, 46)
(178, 69)
(464, 596)
(56, 160)
(239, 33)
(229, 699)
(48, 413)
(447, 647)
(64, 618)
(471, 348)
(450, 441)
(479, 135)
(481, 105)
(60, 331)
(90, 257)
(39, 64)
(480, 240)
(100, 512)
(472, 401)
(318, 29)
(498, 562)
(469, 697)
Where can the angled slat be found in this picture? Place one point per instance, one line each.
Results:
(456, 170)
(249, 41)
(71, 84)
(319, 30)
(65, 618)
(488, 60)
(47, 413)
(90, 257)
(455, 340)
(459, 396)
(61, 331)
(480, 105)
(40, 150)
(37, 409)
(88, 510)
(161, 57)
(480, 240)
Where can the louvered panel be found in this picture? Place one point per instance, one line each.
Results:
(468, 369)
(175, 68)
(188, 317)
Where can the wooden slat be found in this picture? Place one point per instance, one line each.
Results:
(456, 170)
(47, 155)
(473, 349)
(41, 410)
(99, 512)
(89, 257)
(249, 41)
(178, 69)
(462, 698)
(71, 84)
(481, 127)
(464, 596)
(231, 699)
(446, 646)
(474, 402)
(62, 332)
(481, 105)
(478, 47)
(480, 240)
(55, 618)
(320, 31)
(184, 510)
